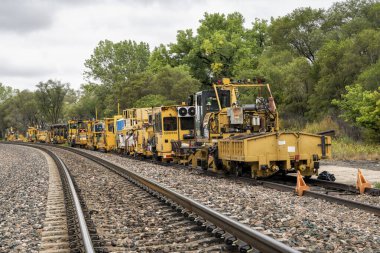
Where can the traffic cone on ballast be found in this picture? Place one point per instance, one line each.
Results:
(362, 183)
(301, 185)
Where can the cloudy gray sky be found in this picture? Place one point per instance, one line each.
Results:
(50, 39)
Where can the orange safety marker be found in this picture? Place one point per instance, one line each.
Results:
(301, 185)
(362, 183)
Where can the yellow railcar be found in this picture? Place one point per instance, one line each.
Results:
(77, 133)
(58, 133)
(138, 131)
(104, 134)
(90, 134)
(145, 133)
(121, 133)
(72, 132)
(43, 136)
(82, 135)
(31, 134)
(10, 134)
(174, 132)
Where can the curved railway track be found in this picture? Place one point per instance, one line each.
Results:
(234, 234)
(80, 230)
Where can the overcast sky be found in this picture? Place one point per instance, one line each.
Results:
(50, 39)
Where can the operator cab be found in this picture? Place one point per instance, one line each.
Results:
(205, 102)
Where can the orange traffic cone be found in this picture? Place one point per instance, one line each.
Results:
(362, 183)
(301, 185)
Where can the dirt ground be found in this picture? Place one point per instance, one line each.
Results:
(346, 171)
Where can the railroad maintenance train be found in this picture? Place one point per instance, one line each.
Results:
(212, 130)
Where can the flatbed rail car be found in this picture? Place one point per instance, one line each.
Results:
(260, 155)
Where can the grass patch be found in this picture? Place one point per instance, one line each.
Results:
(343, 147)
(324, 125)
(376, 185)
(346, 149)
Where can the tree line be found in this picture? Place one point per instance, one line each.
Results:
(320, 63)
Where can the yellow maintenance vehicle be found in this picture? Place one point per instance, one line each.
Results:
(43, 136)
(89, 134)
(143, 133)
(121, 132)
(31, 134)
(104, 134)
(11, 134)
(138, 131)
(245, 139)
(77, 133)
(173, 128)
(81, 137)
(72, 132)
(182, 146)
(58, 133)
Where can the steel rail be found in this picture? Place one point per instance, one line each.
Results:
(349, 203)
(87, 242)
(242, 232)
(86, 238)
(341, 201)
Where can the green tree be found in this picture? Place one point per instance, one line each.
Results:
(112, 65)
(91, 99)
(19, 111)
(159, 58)
(223, 47)
(152, 101)
(299, 31)
(361, 107)
(290, 80)
(5, 92)
(176, 84)
(112, 62)
(341, 63)
(50, 96)
(345, 19)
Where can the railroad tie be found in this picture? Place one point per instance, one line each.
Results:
(54, 234)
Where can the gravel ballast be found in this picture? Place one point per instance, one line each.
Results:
(128, 219)
(310, 225)
(24, 186)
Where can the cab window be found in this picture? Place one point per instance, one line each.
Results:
(170, 124)
(98, 128)
(110, 127)
(157, 122)
(187, 123)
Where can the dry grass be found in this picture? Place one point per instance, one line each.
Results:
(347, 149)
(326, 124)
(343, 147)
